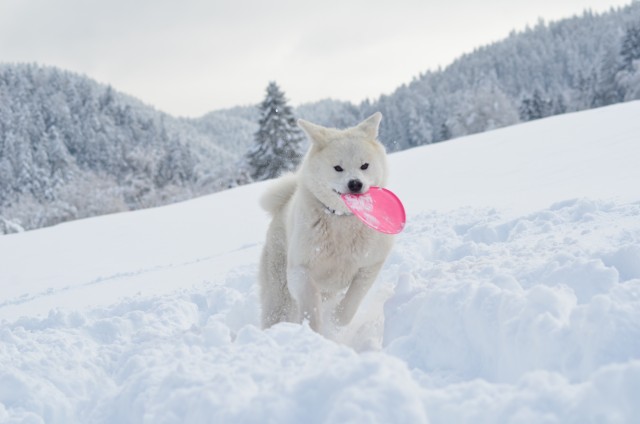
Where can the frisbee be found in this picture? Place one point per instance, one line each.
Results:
(378, 208)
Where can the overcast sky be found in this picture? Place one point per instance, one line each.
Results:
(189, 57)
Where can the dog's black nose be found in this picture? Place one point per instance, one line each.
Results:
(355, 186)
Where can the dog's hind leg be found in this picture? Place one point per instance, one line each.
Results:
(276, 308)
(275, 299)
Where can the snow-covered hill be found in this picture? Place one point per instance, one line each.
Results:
(512, 296)
(71, 148)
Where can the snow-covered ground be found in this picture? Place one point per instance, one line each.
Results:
(513, 295)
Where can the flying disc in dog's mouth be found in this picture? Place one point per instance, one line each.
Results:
(379, 208)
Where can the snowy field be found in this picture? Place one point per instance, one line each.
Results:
(512, 296)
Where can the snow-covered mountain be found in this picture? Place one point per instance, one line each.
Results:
(513, 295)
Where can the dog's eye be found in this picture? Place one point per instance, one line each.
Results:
(364, 166)
(338, 168)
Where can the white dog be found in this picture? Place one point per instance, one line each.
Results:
(317, 252)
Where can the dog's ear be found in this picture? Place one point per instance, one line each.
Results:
(371, 124)
(316, 133)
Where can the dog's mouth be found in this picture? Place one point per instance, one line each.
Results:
(341, 194)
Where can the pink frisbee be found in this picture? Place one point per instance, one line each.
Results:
(379, 208)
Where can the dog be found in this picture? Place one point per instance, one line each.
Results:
(317, 253)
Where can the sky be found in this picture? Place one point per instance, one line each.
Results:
(190, 57)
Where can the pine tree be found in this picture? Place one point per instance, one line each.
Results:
(535, 107)
(445, 133)
(628, 77)
(607, 87)
(630, 50)
(278, 140)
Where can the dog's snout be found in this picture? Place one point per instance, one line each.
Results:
(355, 186)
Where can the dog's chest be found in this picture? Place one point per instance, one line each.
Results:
(339, 247)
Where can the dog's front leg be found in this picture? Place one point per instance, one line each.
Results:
(306, 295)
(358, 288)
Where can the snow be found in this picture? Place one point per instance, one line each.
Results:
(513, 295)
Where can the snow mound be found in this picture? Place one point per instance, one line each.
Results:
(495, 299)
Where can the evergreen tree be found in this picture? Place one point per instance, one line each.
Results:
(445, 133)
(607, 87)
(535, 107)
(278, 140)
(630, 50)
(628, 77)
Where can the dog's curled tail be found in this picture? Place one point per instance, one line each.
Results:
(279, 193)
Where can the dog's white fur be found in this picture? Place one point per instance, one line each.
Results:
(316, 251)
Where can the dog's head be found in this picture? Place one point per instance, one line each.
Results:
(343, 161)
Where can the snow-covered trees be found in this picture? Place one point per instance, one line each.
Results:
(484, 108)
(552, 68)
(630, 50)
(628, 78)
(535, 107)
(278, 141)
(71, 148)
